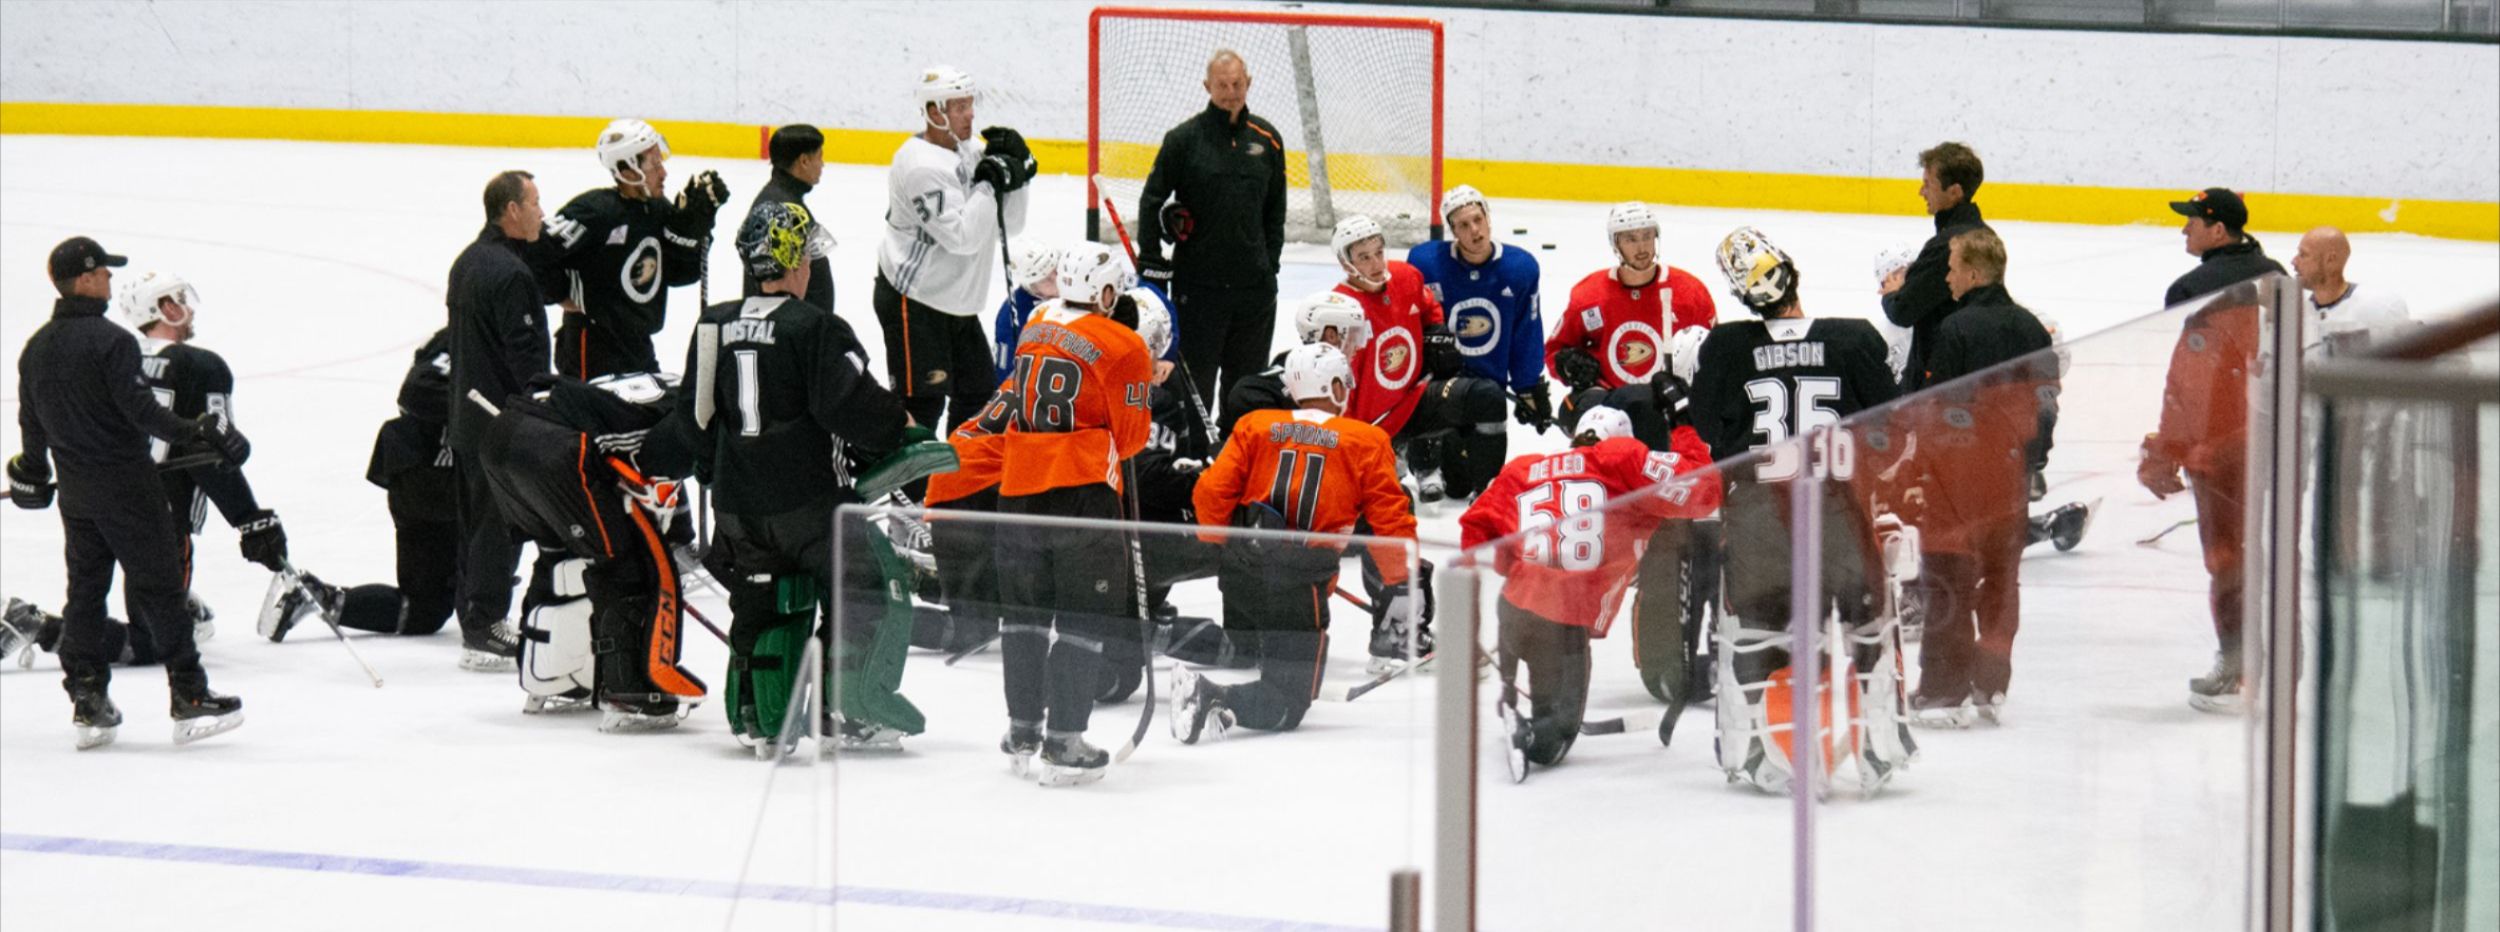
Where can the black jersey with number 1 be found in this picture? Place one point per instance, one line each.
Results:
(190, 381)
(1763, 381)
(788, 380)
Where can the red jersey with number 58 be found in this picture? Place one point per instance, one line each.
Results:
(1577, 555)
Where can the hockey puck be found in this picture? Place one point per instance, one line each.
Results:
(1549, 246)
(1519, 231)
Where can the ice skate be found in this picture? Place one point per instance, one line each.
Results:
(94, 715)
(2218, 691)
(493, 650)
(1934, 710)
(1388, 646)
(1020, 745)
(18, 629)
(1198, 711)
(571, 701)
(199, 713)
(283, 606)
(640, 713)
(1430, 488)
(850, 736)
(1990, 706)
(2068, 524)
(203, 621)
(1515, 750)
(1069, 761)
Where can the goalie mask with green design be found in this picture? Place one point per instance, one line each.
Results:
(778, 237)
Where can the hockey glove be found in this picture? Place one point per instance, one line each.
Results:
(264, 540)
(1003, 173)
(1156, 270)
(999, 140)
(30, 482)
(1175, 223)
(213, 432)
(1441, 356)
(1578, 369)
(1672, 396)
(2158, 473)
(1534, 407)
(704, 194)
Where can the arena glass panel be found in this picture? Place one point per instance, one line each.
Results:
(1296, 817)
(1628, 819)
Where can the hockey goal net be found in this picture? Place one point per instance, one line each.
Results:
(1357, 100)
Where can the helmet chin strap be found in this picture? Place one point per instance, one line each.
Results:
(637, 179)
(1369, 283)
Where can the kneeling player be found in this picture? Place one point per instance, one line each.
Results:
(1566, 573)
(1760, 383)
(1309, 469)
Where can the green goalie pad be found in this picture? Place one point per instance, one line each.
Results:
(872, 679)
(761, 677)
(919, 458)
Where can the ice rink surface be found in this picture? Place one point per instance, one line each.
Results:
(2105, 803)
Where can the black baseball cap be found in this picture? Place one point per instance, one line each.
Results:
(2215, 205)
(79, 255)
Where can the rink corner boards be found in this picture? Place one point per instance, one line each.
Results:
(1683, 187)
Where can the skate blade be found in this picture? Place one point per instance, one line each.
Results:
(1020, 766)
(556, 705)
(91, 737)
(194, 729)
(1379, 665)
(1514, 749)
(880, 744)
(1954, 719)
(478, 661)
(614, 722)
(1055, 775)
(1184, 691)
(2231, 704)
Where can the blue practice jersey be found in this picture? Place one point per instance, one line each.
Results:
(1492, 308)
(1012, 313)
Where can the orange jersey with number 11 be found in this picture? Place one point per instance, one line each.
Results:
(1320, 470)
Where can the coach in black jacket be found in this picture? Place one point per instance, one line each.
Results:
(1224, 171)
(81, 404)
(2217, 221)
(498, 341)
(798, 154)
(1950, 176)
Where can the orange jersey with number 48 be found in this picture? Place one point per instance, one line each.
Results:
(1073, 406)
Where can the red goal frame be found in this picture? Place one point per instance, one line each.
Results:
(1093, 80)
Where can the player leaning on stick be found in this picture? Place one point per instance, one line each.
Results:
(782, 396)
(1617, 329)
(619, 250)
(1308, 469)
(951, 194)
(1073, 408)
(81, 404)
(1585, 513)
(1760, 384)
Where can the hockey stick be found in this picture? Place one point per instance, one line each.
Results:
(2155, 540)
(705, 622)
(294, 578)
(1197, 405)
(1358, 690)
(1145, 616)
(1352, 599)
(190, 460)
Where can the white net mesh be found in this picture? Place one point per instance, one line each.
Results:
(1353, 100)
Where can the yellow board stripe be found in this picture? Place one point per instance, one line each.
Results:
(1689, 187)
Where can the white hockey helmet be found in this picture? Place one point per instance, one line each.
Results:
(1605, 422)
(142, 299)
(1317, 370)
(1684, 352)
(1328, 309)
(1627, 217)
(1085, 270)
(621, 146)
(1351, 231)
(1154, 320)
(1892, 260)
(1758, 272)
(1034, 262)
(1462, 196)
(939, 84)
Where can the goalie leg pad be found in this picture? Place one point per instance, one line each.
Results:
(555, 640)
(877, 637)
(766, 647)
(1752, 748)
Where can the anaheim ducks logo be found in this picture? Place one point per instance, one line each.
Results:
(1394, 363)
(1478, 326)
(1633, 352)
(641, 274)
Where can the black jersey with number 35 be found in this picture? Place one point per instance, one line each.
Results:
(1762, 382)
(788, 379)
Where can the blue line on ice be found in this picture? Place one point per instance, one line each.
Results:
(665, 886)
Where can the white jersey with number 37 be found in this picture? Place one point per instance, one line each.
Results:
(941, 229)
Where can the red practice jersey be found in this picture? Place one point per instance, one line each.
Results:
(1577, 555)
(1074, 406)
(1320, 470)
(1627, 328)
(1389, 369)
